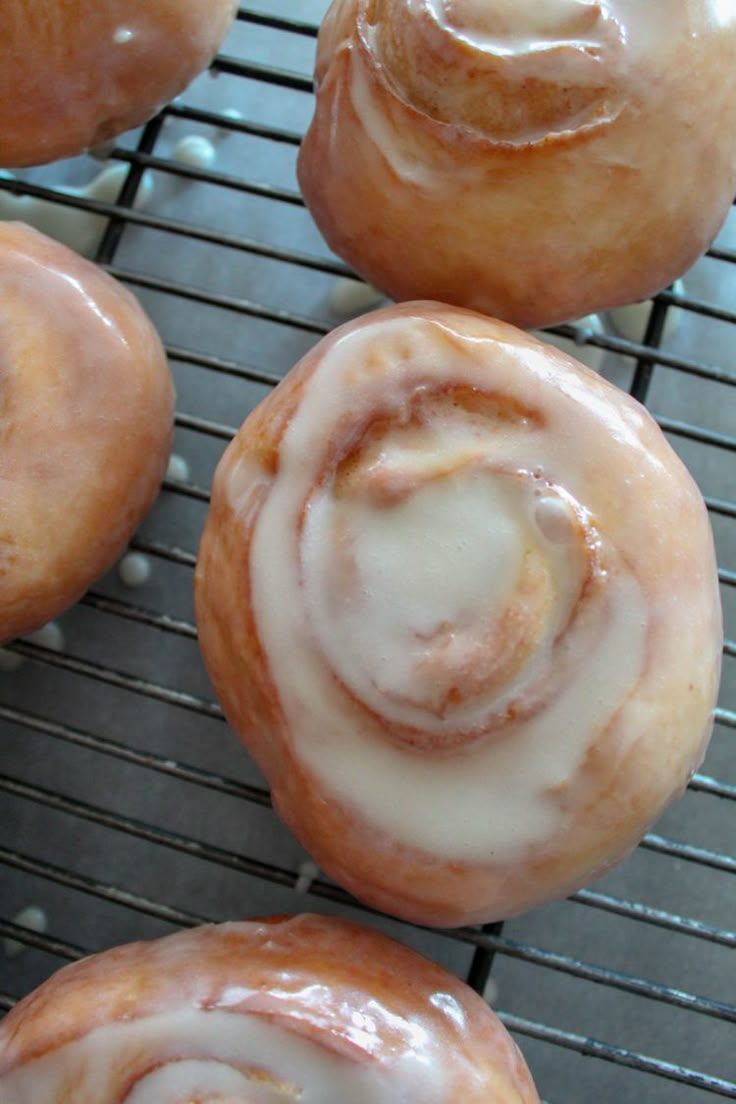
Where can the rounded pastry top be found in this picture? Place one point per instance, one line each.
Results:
(512, 74)
(87, 404)
(537, 161)
(75, 75)
(305, 1007)
(464, 584)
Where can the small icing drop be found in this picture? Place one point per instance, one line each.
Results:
(308, 871)
(48, 636)
(230, 113)
(178, 468)
(590, 355)
(490, 993)
(32, 917)
(632, 320)
(348, 297)
(194, 150)
(554, 520)
(134, 569)
(80, 230)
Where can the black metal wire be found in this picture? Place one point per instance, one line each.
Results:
(619, 1056)
(278, 22)
(488, 941)
(112, 677)
(268, 74)
(644, 372)
(228, 122)
(42, 942)
(114, 230)
(225, 302)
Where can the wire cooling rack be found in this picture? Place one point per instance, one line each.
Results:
(128, 809)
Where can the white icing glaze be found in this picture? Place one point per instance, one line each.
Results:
(134, 569)
(604, 45)
(631, 321)
(308, 871)
(195, 150)
(525, 26)
(49, 636)
(32, 917)
(349, 297)
(378, 572)
(194, 1054)
(178, 468)
(80, 230)
(398, 147)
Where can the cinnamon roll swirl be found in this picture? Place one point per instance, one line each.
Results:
(305, 1008)
(458, 596)
(536, 161)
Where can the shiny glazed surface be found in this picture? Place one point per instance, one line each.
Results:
(440, 602)
(86, 414)
(535, 161)
(74, 74)
(308, 1008)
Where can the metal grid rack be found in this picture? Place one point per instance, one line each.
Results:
(128, 810)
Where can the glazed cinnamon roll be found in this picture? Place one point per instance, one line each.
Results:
(87, 415)
(458, 596)
(74, 75)
(306, 1008)
(535, 161)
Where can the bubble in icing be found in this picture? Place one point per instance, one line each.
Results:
(554, 519)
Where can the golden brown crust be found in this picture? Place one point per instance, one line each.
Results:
(73, 75)
(534, 187)
(86, 431)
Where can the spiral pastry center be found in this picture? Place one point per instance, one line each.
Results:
(197, 1056)
(445, 627)
(434, 579)
(202, 1081)
(513, 72)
